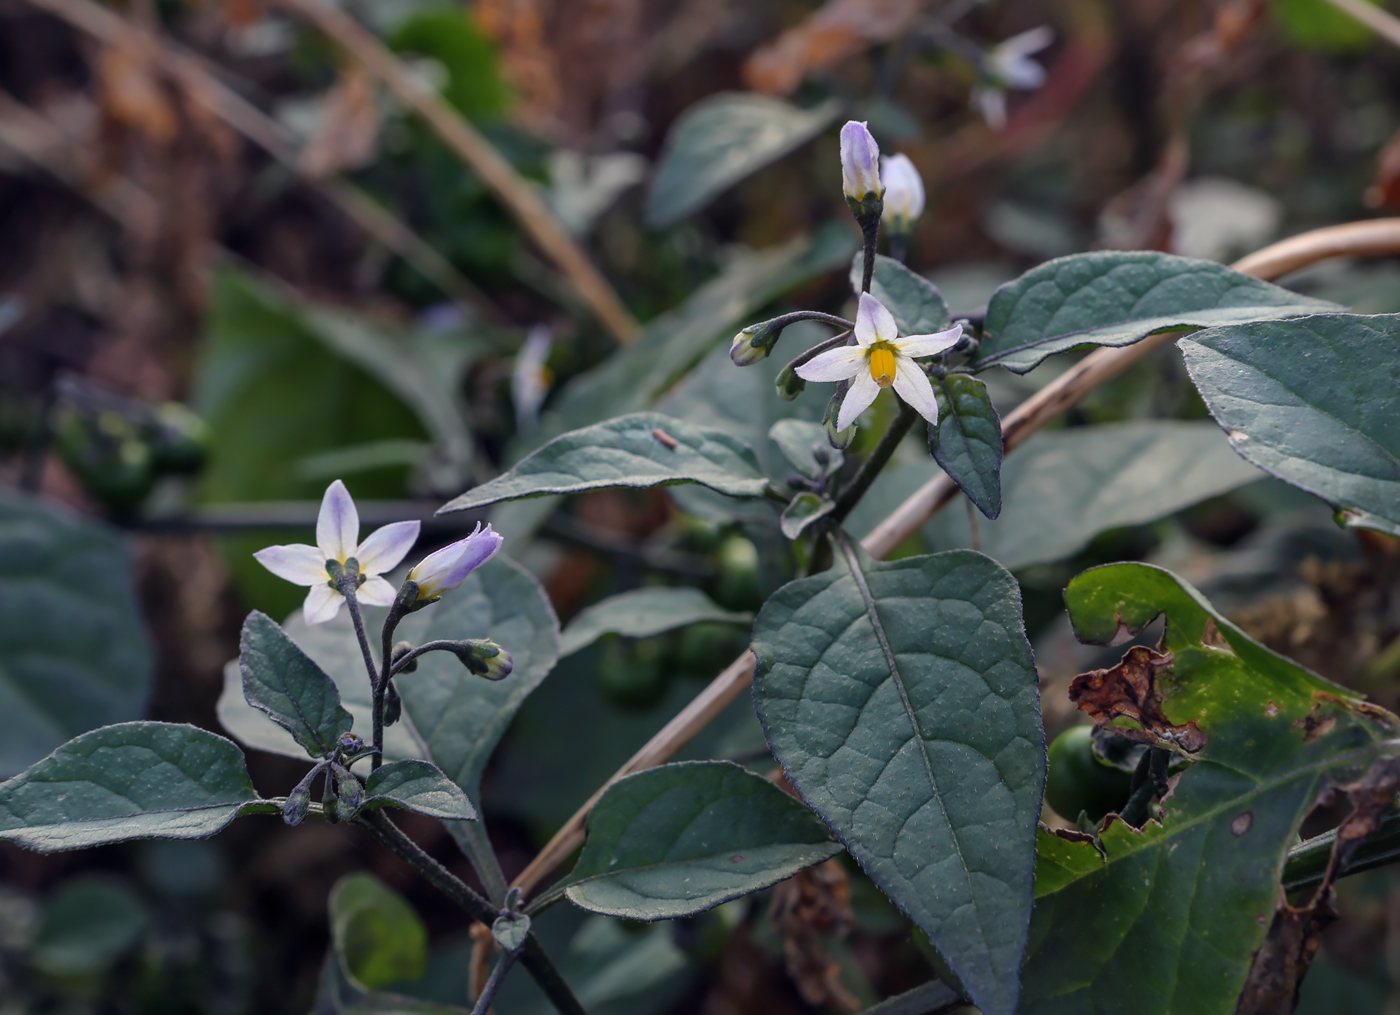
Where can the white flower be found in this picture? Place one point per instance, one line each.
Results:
(529, 380)
(1008, 65)
(904, 192)
(447, 568)
(337, 532)
(860, 161)
(880, 359)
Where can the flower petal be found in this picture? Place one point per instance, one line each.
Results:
(992, 102)
(447, 568)
(834, 365)
(322, 604)
(338, 524)
(873, 322)
(929, 345)
(857, 400)
(912, 385)
(1023, 73)
(386, 546)
(376, 591)
(295, 562)
(1030, 41)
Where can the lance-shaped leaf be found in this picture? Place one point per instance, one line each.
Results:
(722, 139)
(460, 716)
(1167, 919)
(901, 699)
(418, 786)
(283, 681)
(676, 840)
(74, 652)
(134, 780)
(1116, 297)
(917, 305)
(644, 612)
(640, 449)
(966, 441)
(1316, 402)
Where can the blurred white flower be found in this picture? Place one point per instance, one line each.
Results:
(860, 161)
(337, 533)
(530, 378)
(880, 359)
(1008, 65)
(447, 568)
(904, 192)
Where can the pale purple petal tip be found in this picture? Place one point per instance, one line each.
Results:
(338, 524)
(386, 546)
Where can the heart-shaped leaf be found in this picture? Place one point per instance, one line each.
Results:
(283, 681)
(966, 441)
(675, 840)
(644, 612)
(1118, 297)
(1168, 918)
(418, 786)
(1316, 402)
(640, 449)
(901, 699)
(134, 780)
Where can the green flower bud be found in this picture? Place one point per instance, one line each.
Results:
(294, 810)
(789, 384)
(754, 343)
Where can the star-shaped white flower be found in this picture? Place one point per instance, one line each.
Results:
(337, 535)
(880, 359)
(1008, 65)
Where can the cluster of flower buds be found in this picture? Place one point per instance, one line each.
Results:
(343, 794)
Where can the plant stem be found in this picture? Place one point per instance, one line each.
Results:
(347, 587)
(870, 230)
(532, 955)
(493, 983)
(855, 490)
(835, 341)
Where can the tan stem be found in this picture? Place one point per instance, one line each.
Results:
(522, 200)
(1372, 238)
(1383, 23)
(202, 86)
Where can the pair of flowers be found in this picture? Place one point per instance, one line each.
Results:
(337, 543)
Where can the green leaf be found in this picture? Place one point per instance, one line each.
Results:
(1178, 909)
(1317, 25)
(135, 780)
(1316, 402)
(637, 450)
(641, 613)
(510, 930)
(418, 786)
(449, 36)
(461, 717)
(376, 934)
(283, 681)
(88, 926)
(74, 652)
(1115, 298)
(901, 699)
(682, 838)
(333, 647)
(804, 444)
(917, 305)
(1064, 488)
(336, 994)
(802, 511)
(722, 139)
(967, 440)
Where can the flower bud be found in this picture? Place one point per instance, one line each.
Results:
(838, 439)
(486, 659)
(860, 163)
(350, 744)
(401, 649)
(350, 794)
(789, 385)
(393, 704)
(754, 343)
(294, 810)
(904, 193)
(447, 568)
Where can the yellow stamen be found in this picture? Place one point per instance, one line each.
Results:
(882, 365)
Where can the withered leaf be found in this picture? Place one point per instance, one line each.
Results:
(1130, 690)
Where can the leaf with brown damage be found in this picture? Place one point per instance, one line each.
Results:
(1129, 690)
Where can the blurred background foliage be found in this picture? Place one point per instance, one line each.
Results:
(236, 265)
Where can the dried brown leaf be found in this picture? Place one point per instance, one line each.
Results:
(345, 138)
(133, 95)
(840, 29)
(807, 907)
(1129, 690)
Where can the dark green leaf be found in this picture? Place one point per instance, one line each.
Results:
(802, 511)
(418, 786)
(1116, 297)
(460, 716)
(676, 840)
(1316, 402)
(74, 653)
(376, 934)
(283, 681)
(967, 440)
(917, 305)
(87, 926)
(641, 449)
(722, 139)
(135, 780)
(642, 613)
(333, 647)
(337, 995)
(510, 930)
(1169, 917)
(901, 699)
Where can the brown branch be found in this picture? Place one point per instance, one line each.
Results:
(1376, 237)
(203, 86)
(515, 193)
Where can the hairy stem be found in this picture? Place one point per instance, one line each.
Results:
(493, 983)
(871, 467)
(870, 230)
(347, 586)
(834, 342)
(532, 955)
